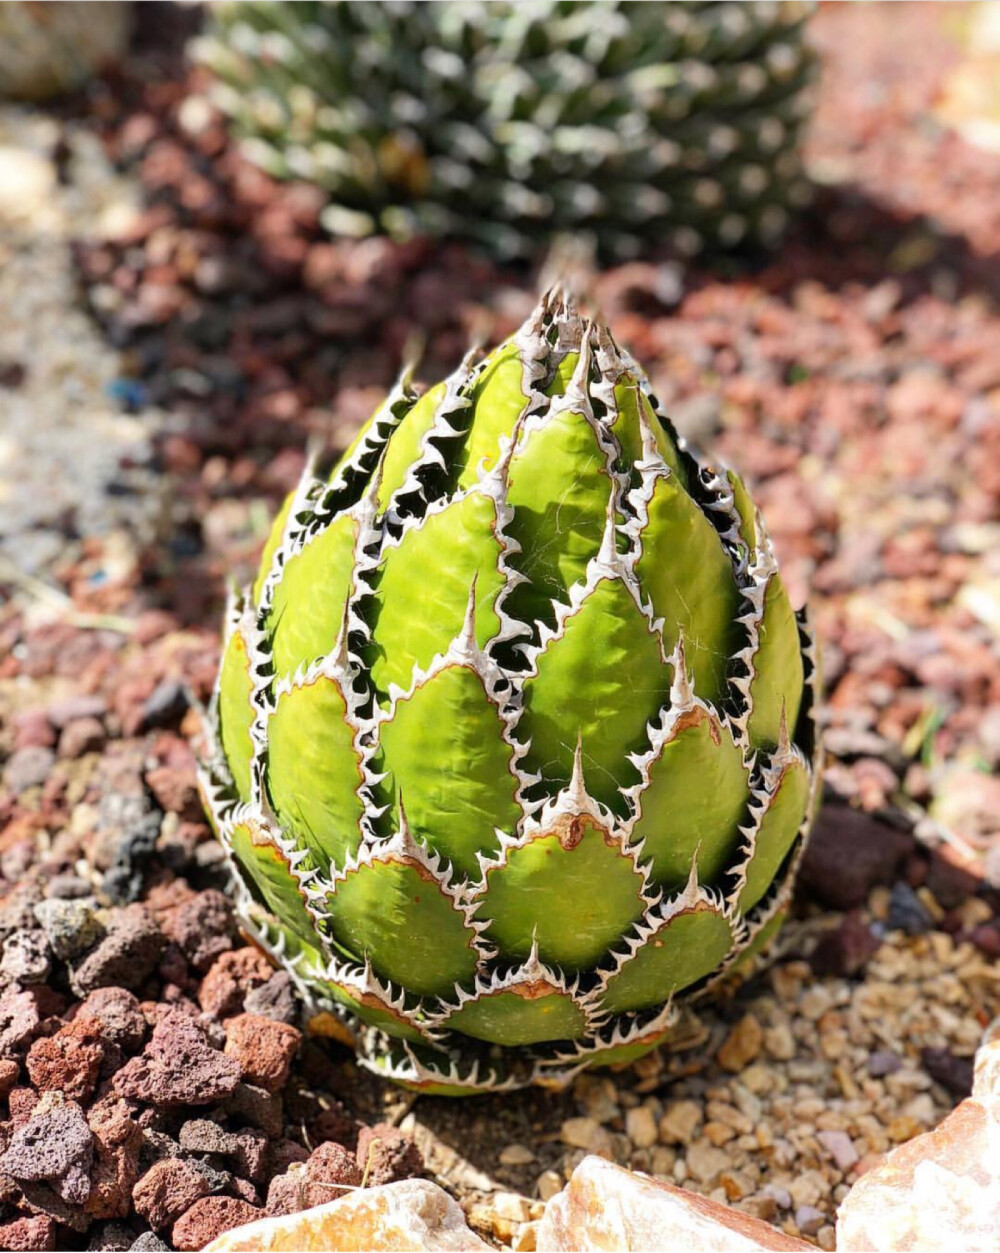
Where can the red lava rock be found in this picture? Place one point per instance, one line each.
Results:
(9, 1074)
(72, 708)
(848, 853)
(210, 1217)
(245, 1190)
(386, 1154)
(203, 928)
(229, 979)
(54, 1145)
(117, 1012)
(32, 728)
(274, 999)
(28, 1235)
(69, 1061)
(335, 1123)
(330, 1168)
(28, 767)
(21, 1102)
(256, 1106)
(201, 1135)
(167, 1189)
(845, 951)
(126, 956)
(176, 791)
(263, 1048)
(952, 1072)
(251, 1155)
(117, 1141)
(82, 735)
(19, 1020)
(178, 1067)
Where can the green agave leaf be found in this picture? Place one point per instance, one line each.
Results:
(527, 1014)
(572, 891)
(371, 1007)
(776, 689)
(786, 809)
(686, 573)
(380, 901)
(236, 712)
(314, 770)
(559, 488)
(500, 398)
(404, 445)
(274, 540)
(689, 945)
(600, 681)
(744, 507)
(307, 608)
(445, 753)
(423, 589)
(760, 942)
(696, 797)
(564, 371)
(634, 413)
(269, 869)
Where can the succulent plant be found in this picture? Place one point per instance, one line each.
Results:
(54, 47)
(513, 738)
(501, 122)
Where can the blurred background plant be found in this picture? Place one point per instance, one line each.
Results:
(55, 47)
(502, 123)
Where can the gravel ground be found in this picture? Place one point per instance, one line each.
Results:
(854, 378)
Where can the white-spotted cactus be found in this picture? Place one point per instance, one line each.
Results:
(514, 745)
(501, 122)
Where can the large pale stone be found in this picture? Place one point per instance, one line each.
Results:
(412, 1215)
(939, 1191)
(606, 1207)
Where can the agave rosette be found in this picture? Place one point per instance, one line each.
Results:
(513, 737)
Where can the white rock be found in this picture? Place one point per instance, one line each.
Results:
(606, 1207)
(939, 1191)
(412, 1215)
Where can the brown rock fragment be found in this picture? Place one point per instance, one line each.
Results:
(169, 1188)
(28, 1235)
(741, 1046)
(264, 1049)
(230, 977)
(209, 1218)
(178, 1067)
(67, 1062)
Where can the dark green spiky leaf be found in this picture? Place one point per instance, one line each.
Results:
(445, 755)
(559, 519)
(459, 544)
(776, 690)
(599, 895)
(236, 711)
(378, 904)
(694, 592)
(307, 608)
(695, 800)
(601, 680)
(268, 867)
(314, 770)
(527, 1014)
(688, 946)
(776, 834)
